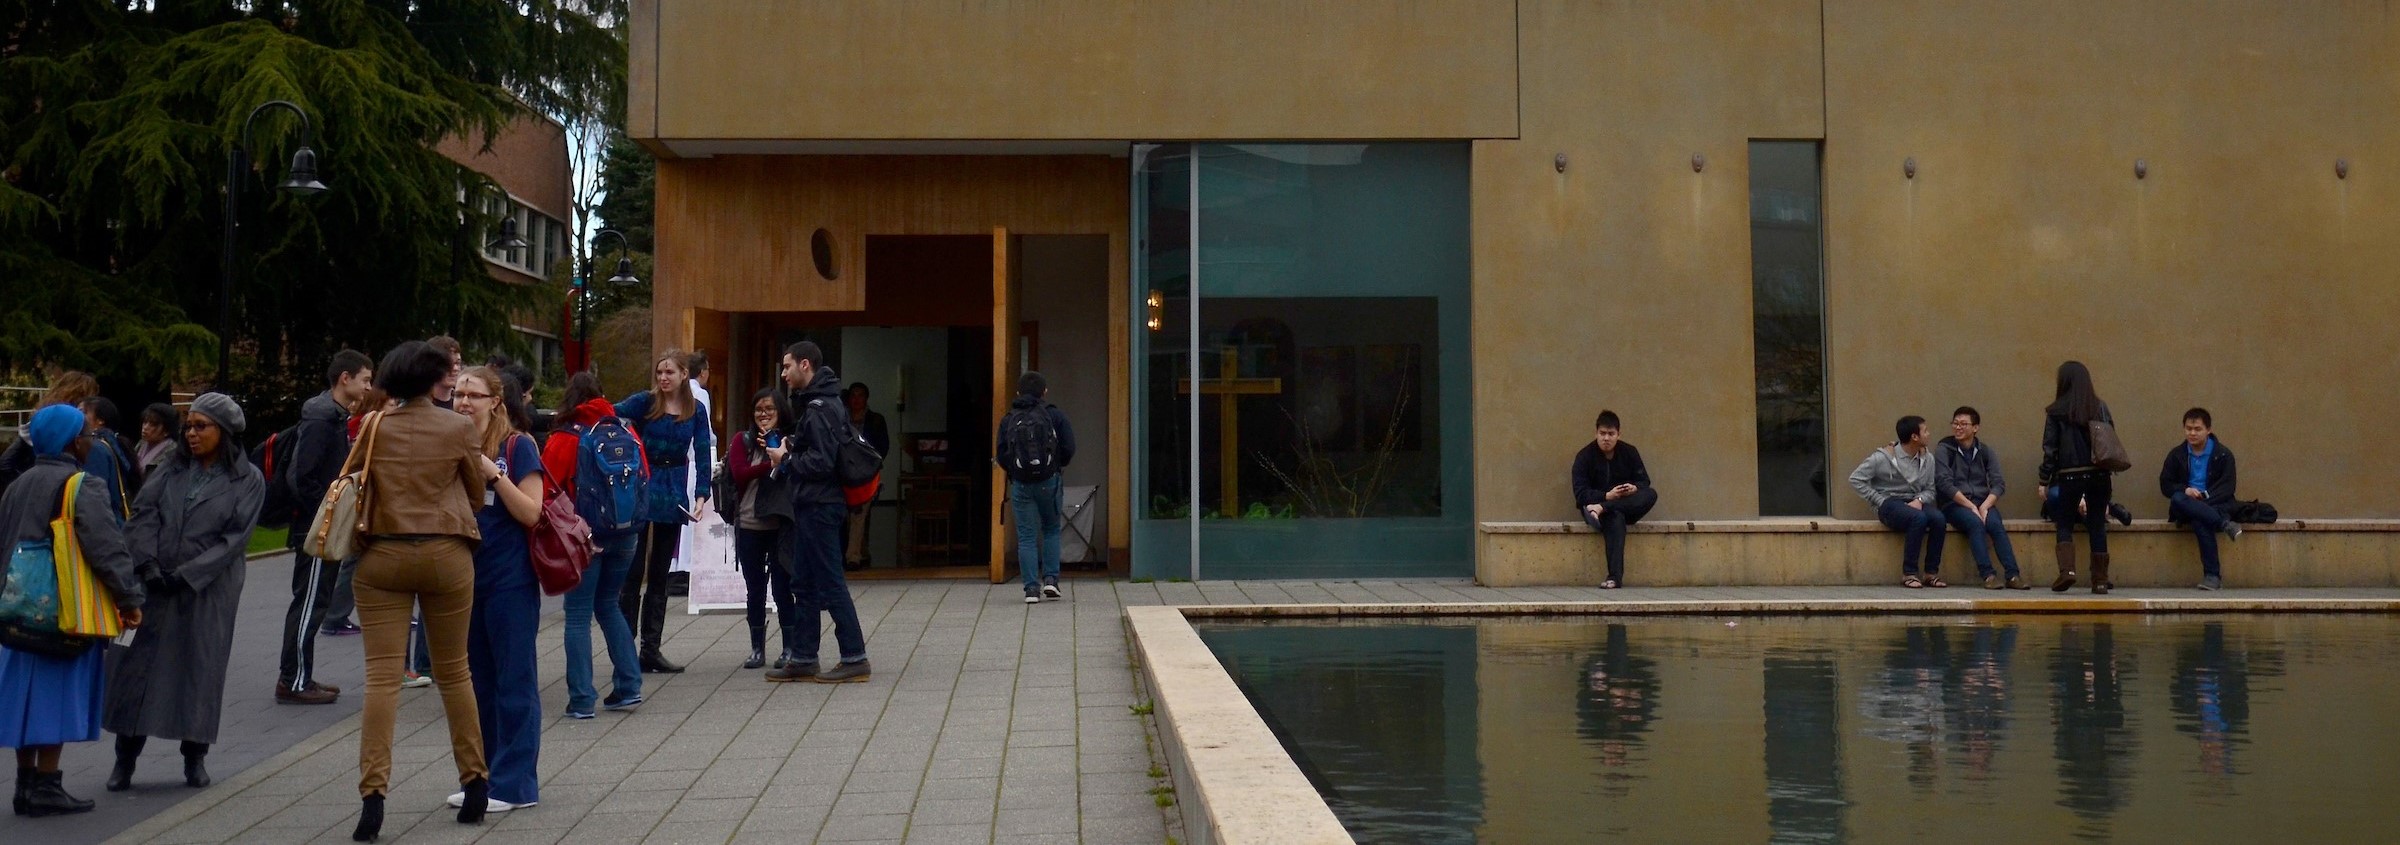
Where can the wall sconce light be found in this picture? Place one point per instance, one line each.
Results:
(1908, 167)
(1156, 303)
(2341, 168)
(1559, 162)
(1699, 162)
(2141, 168)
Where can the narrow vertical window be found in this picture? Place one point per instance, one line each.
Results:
(1787, 278)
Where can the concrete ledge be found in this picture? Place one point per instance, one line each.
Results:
(1820, 551)
(2045, 602)
(1231, 774)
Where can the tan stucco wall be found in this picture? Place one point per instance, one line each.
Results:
(1073, 69)
(1624, 282)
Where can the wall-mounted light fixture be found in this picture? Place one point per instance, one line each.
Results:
(1156, 302)
(1699, 162)
(2341, 168)
(2141, 168)
(1908, 167)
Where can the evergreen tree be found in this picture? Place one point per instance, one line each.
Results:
(629, 190)
(116, 123)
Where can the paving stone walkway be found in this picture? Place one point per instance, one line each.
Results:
(987, 721)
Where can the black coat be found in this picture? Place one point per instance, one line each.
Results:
(2177, 474)
(1594, 475)
(2067, 446)
(822, 423)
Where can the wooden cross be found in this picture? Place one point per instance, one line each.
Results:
(1229, 386)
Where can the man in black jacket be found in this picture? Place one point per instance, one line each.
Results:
(1612, 489)
(1035, 461)
(2198, 481)
(809, 463)
(322, 444)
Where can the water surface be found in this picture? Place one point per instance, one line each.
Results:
(2269, 728)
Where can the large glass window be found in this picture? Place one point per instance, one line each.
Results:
(1325, 429)
(1787, 299)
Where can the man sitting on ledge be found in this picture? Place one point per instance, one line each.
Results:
(1898, 480)
(1612, 488)
(2198, 480)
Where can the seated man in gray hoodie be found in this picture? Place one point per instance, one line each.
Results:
(1967, 482)
(1898, 480)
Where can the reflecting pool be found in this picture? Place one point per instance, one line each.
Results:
(2266, 728)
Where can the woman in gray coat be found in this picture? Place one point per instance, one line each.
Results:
(189, 535)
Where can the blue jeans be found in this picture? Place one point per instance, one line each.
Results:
(818, 584)
(1036, 508)
(508, 703)
(2205, 521)
(606, 577)
(1923, 529)
(1983, 537)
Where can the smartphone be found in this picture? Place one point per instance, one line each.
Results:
(772, 439)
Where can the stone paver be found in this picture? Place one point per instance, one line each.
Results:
(987, 721)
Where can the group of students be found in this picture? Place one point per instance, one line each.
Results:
(1921, 489)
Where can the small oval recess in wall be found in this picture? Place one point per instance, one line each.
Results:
(820, 252)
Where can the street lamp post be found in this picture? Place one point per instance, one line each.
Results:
(302, 181)
(583, 292)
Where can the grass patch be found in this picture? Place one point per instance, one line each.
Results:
(1144, 708)
(1157, 771)
(269, 539)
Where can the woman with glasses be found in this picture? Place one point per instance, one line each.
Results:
(426, 475)
(508, 598)
(761, 513)
(189, 537)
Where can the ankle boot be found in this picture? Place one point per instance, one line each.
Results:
(476, 801)
(370, 819)
(195, 764)
(129, 750)
(25, 776)
(2066, 569)
(49, 797)
(2100, 582)
(652, 661)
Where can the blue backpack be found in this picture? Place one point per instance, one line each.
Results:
(610, 472)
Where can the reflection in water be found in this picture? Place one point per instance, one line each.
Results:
(1804, 771)
(1618, 701)
(1907, 705)
(2095, 737)
(1979, 699)
(2211, 697)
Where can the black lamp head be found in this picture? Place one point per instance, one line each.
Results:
(508, 239)
(303, 179)
(624, 274)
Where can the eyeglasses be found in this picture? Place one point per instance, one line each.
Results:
(199, 426)
(478, 397)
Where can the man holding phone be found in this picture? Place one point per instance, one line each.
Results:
(1612, 489)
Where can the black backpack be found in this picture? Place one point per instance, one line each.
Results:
(856, 462)
(2254, 512)
(1028, 444)
(274, 461)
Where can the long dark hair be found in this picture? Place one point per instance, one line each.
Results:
(783, 410)
(2076, 400)
(581, 387)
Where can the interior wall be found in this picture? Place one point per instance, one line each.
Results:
(905, 369)
(1064, 290)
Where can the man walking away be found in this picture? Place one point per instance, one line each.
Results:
(811, 467)
(1033, 447)
(1898, 480)
(2198, 480)
(322, 443)
(1612, 488)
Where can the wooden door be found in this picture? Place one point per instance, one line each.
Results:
(1005, 367)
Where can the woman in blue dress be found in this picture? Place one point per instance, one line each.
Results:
(47, 701)
(673, 425)
(508, 598)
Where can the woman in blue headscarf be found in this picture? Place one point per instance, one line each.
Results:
(47, 701)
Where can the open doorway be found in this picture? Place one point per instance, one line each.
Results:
(925, 354)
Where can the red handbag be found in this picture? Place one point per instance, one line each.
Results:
(560, 542)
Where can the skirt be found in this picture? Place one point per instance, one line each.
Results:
(50, 700)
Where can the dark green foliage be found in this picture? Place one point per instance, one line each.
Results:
(116, 123)
(629, 190)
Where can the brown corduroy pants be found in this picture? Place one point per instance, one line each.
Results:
(393, 575)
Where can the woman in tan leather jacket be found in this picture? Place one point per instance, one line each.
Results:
(425, 477)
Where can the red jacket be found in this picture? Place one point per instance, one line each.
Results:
(558, 454)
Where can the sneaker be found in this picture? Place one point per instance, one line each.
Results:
(2017, 582)
(621, 702)
(1991, 582)
(2212, 583)
(344, 628)
(1032, 596)
(490, 805)
(846, 673)
(579, 715)
(1050, 590)
(2233, 530)
(415, 681)
(793, 671)
(2123, 514)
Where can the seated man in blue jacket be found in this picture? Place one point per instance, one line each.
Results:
(2198, 482)
(1612, 489)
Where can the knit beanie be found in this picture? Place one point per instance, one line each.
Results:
(220, 407)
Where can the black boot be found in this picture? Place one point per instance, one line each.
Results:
(25, 776)
(758, 646)
(370, 819)
(652, 661)
(478, 799)
(49, 797)
(195, 768)
(129, 750)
